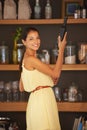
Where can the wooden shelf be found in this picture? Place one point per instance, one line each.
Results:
(74, 67)
(72, 106)
(62, 106)
(43, 21)
(9, 67)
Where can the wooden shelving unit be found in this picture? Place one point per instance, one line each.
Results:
(76, 67)
(42, 21)
(9, 67)
(62, 106)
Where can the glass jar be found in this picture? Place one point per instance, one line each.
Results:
(19, 52)
(72, 93)
(82, 53)
(54, 55)
(65, 94)
(70, 54)
(1, 91)
(15, 90)
(8, 92)
(57, 93)
(4, 54)
(46, 55)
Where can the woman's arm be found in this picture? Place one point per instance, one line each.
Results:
(21, 87)
(32, 62)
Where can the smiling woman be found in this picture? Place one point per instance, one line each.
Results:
(38, 78)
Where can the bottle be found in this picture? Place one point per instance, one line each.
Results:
(8, 92)
(15, 90)
(19, 52)
(10, 127)
(0, 10)
(1, 91)
(63, 28)
(57, 93)
(72, 92)
(48, 10)
(15, 55)
(83, 13)
(37, 10)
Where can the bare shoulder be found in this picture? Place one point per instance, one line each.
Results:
(31, 62)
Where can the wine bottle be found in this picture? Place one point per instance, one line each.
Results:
(48, 10)
(37, 10)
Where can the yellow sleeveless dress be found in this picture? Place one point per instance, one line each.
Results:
(42, 111)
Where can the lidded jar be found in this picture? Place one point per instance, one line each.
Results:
(72, 92)
(82, 52)
(70, 53)
(4, 53)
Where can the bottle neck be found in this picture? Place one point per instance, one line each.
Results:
(48, 2)
(37, 2)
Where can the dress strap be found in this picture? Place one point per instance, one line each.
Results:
(22, 63)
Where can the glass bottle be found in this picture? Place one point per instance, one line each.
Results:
(19, 52)
(57, 93)
(0, 10)
(14, 58)
(83, 13)
(1, 91)
(15, 90)
(37, 10)
(46, 56)
(72, 93)
(48, 10)
(8, 92)
(54, 54)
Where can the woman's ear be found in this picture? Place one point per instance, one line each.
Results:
(23, 41)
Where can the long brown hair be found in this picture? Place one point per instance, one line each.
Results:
(24, 36)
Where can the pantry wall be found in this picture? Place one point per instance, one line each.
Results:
(49, 32)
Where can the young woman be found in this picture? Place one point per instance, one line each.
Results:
(39, 78)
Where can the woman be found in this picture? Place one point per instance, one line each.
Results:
(39, 78)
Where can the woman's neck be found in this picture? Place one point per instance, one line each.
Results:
(30, 53)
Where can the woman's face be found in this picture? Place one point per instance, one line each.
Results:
(32, 41)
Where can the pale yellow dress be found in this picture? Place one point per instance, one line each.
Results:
(42, 111)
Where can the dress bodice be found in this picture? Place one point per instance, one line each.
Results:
(34, 78)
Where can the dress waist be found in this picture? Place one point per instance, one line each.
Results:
(40, 87)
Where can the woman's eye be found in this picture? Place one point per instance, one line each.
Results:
(31, 39)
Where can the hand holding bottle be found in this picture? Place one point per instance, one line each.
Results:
(62, 43)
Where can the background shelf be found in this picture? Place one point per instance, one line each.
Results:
(42, 21)
(76, 67)
(62, 106)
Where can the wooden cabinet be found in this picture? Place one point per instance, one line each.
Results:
(62, 106)
(12, 67)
